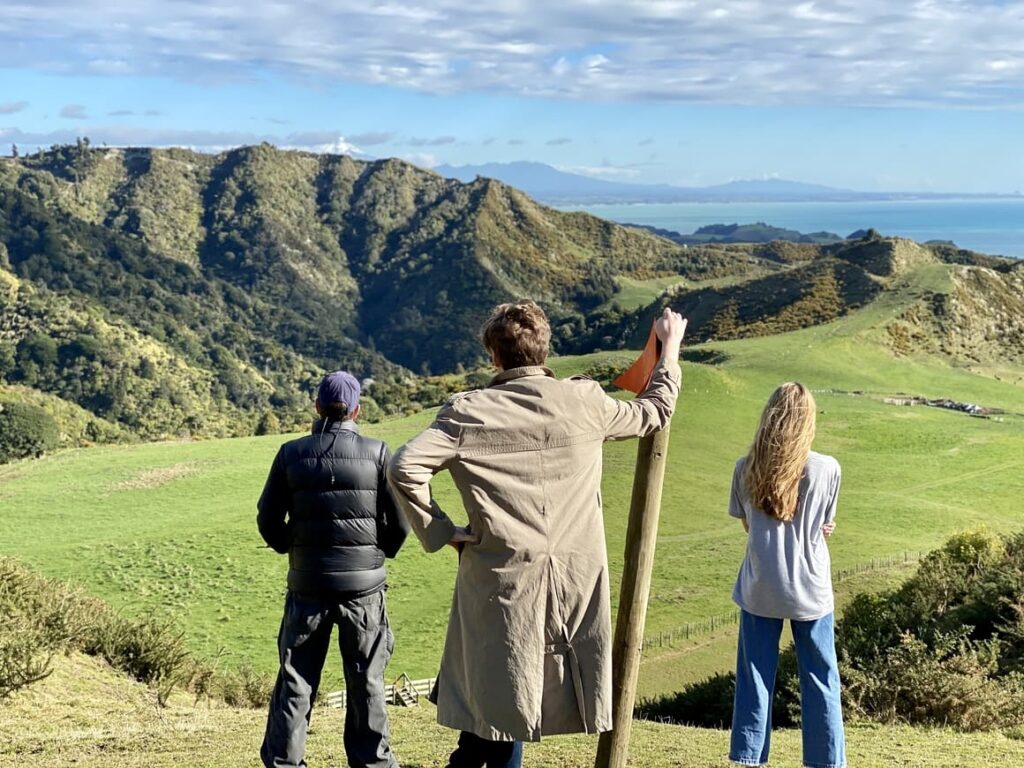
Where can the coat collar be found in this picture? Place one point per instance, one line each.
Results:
(330, 427)
(518, 373)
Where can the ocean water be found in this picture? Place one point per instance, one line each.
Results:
(993, 226)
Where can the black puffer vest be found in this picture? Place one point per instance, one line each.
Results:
(339, 497)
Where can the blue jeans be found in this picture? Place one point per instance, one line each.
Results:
(475, 752)
(821, 713)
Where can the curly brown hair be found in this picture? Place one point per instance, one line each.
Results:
(517, 334)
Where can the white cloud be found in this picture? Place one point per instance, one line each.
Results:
(371, 138)
(848, 52)
(604, 171)
(436, 141)
(337, 147)
(10, 107)
(319, 141)
(73, 112)
(422, 159)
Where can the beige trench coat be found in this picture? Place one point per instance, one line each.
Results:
(528, 650)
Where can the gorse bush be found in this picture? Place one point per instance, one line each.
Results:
(26, 431)
(43, 618)
(22, 660)
(708, 703)
(606, 371)
(951, 681)
(40, 619)
(148, 650)
(945, 649)
(245, 687)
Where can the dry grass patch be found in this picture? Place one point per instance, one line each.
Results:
(89, 716)
(158, 476)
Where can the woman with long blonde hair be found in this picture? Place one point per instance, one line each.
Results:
(785, 495)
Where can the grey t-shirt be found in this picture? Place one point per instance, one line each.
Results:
(787, 571)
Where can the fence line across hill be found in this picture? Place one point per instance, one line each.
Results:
(404, 692)
(706, 626)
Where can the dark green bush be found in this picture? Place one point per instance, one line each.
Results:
(478, 379)
(268, 424)
(369, 411)
(606, 371)
(708, 703)
(705, 704)
(26, 430)
(946, 648)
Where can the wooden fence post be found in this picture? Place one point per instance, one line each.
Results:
(641, 537)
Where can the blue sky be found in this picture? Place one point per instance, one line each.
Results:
(918, 95)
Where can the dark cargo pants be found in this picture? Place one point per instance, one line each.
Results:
(366, 643)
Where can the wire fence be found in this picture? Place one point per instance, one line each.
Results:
(683, 632)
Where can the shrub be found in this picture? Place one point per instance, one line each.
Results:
(245, 687)
(950, 682)
(705, 704)
(268, 424)
(42, 618)
(947, 647)
(201, 678)
(39, 619)
(149, 650)
(26, 430)
(23, 660)
(478, 379)
(604, 372)
(369, 411)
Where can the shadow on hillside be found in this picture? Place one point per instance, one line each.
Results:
(705, 356)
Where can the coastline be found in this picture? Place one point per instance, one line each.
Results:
(992, 225)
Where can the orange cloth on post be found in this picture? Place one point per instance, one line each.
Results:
(638, 375)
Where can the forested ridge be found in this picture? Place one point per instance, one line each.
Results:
(164, 292)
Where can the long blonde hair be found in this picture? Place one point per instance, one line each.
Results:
(778, 456)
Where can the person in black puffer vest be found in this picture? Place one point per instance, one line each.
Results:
(327, 505)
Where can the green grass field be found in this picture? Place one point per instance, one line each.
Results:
(634, 293)
(169, 528)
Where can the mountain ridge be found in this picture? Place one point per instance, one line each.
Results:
(174, 293)
(182, 293)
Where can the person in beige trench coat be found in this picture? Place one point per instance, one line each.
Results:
(528, 649)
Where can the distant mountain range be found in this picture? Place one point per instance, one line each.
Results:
(551, 185)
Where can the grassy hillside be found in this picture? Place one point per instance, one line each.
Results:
(88, 715)
(169, 527)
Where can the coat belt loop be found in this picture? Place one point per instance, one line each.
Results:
(577, 679)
